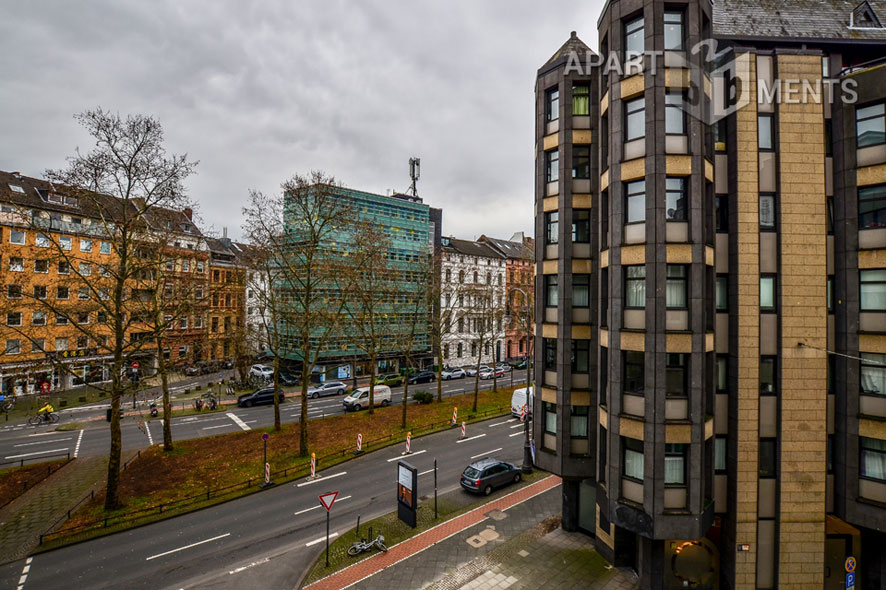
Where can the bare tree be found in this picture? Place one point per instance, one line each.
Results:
(303, 275)
(127, 175)
(482, 314)
(413, 311)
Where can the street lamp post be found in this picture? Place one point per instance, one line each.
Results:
(527, 445)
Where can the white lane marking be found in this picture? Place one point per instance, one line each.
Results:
(25, 570)
(188, 546)
(487, 453)
(42, 442)
(320, 540)
(516, 426)
(36, 453)
(515, 434)
(500, 423)
(238, 421)
(250, 422)
(219, 426)
(307, 483)
(77, 446)
(414, 453)
(43, 434)
(470, 438)
(319, 506)
(426, 472)
(148, 432)
(246, 567)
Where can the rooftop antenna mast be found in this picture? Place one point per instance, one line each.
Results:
(414, 173)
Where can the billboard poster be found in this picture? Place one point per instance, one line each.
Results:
(407, 493)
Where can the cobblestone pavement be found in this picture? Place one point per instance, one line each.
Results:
(516, 543)
(27, 517)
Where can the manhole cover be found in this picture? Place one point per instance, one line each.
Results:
(496, 515)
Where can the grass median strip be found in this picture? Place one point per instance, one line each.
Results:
(205, 471)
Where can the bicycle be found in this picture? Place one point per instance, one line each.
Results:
(8, 405)
(362, 545)
(51, 418)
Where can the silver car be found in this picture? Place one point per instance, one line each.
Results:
(328, 388)
(456, 373)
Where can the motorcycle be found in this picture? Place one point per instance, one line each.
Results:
(154, 411)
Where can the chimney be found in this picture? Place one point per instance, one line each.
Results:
(189, 213)
(224, 233)
(17, 174)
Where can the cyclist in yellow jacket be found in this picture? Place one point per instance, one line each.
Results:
(45, 411)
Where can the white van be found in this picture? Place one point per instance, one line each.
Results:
(359, 399)
(518, 400)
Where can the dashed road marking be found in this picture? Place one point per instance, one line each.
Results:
(188, 546)
(319, 506)
(77, 446)
(515, 434)
(36, 453)
(517, 426)
(426, 472)
(219, 426)
(470, 438)
(148, 431)
(246, 567)
(25, 570)
(238, 421)
(414, 453)
(42, 442)
(487, 453)
(320, 540)
(500, 423)
(307, 483)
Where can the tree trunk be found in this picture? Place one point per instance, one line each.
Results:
(112, 493)
(477, 381)
(167, 405)
(439, 354)
(405, 398)
(303, 414)
(276, 393)
(372, 383)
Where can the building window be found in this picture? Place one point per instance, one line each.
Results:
(105, 247)
(61, 319)
(552, 165)
(578, 421)
(83, 293)
(765, 133)
(675, 374)
(634, 372)
(581, 355)
(633, 458)
(39, 291)
(720, 454)
(38, 318)
(460, 349)
(767, 212)
(552, 104)
(16, 236)
(581, 290)
(61, 292)
(200, 267)
(61, 344)
(581, 99)
(721, 214)
(768, 461)
(581, 226)
(63, 267)
(14, 291)
(873, 373)
(675, 295)
(675, 116)
(85, 269)
(41, 241)
(65, 242)
(635, 196)
(634, 42)
(635, 286)
(41, 266)
(675, 464)
(767, 375)
(722, 368)
(581, 161)
(17, 264)
(872, 207)
(722, 293)
(870, 125)
(676, 201)
(14, 318)
(13, 346)
(550, 354)
(38, 345)
(551, 290)
(83, 317)
(873, 289)
(767, 292)
(873, 458)
(102, 317)
(550, 415)
(635, 119)
(85, 245)
(673, 31)
(552, 227)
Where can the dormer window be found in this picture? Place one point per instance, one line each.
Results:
(864, 17)
(16, 189)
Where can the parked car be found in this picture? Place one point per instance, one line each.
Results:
(328, 388)
(262, 372)
(359, 399)
(519, 398)
(488, 373)
(258, 397)
(456, 373)
(391, 380)
(503, 366)
(193, 371)
(423, 377)
(486, 474)
(227, 364)
(287, 378)
(521, 364)
(472, 370)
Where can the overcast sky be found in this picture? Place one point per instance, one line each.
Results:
(259, 91)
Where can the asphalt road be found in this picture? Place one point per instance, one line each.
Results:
(34, 443)
(264, 540)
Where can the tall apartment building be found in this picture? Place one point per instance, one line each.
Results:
(409, 226)
(719, 417)
(472, 300)
(227, 295)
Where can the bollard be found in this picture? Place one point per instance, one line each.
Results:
(454, 416)
(359, 444)
(408, 444)
(462, 429)
(313, 465)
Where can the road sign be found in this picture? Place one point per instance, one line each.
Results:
(850, 581)
(850, 564)
(328, 499)
(265, 436)
(135, 365)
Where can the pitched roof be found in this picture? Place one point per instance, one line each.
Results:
(800, 19)
(572, 45)
(508, 249)
(470, 248)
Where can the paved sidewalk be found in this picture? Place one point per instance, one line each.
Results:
(512, 542)
(27, 517)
